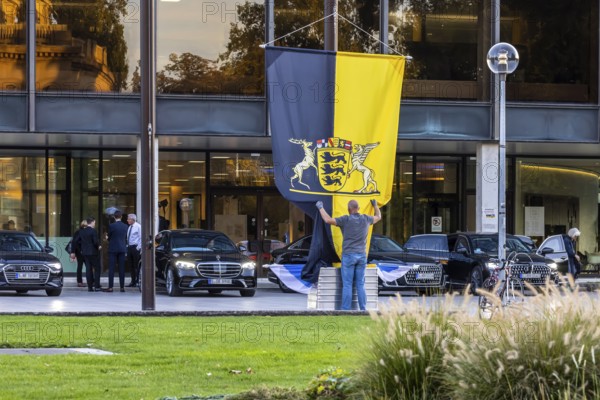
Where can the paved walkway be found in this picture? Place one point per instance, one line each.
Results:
(268, 300)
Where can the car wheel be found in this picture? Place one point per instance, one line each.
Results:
(247, 292)
(22, 291)
(172, 289)
(53, 292)
(284, 288)
(476, 279)
(215, 291)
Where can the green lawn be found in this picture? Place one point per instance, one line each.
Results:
(173, 356)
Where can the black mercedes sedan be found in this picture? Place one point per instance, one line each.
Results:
(26, 265)
(398, 269)
(195, 259)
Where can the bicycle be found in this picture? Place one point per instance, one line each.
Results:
(502, 292)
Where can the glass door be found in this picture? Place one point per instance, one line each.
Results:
(260, 222)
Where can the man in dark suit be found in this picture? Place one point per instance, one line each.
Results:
(90, 249)
(117, 249)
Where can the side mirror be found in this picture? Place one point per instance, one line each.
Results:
(160, 248)
(242, 248)
(158, 238)
(547, 250)
(462, 250)
(48, 249)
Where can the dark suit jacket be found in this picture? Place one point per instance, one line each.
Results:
(89, 241)
(117, 237)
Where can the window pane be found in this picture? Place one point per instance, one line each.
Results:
(557, 42)
(87, 45)
(12, 45)
(397, 214)
(365, 15)
(238, 169)
(442, 37)
(291, 15)
(182, 190)
(207, 48)
(23, 191)
(567, 192)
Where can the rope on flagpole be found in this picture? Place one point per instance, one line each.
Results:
(297, 30)
(408, 58)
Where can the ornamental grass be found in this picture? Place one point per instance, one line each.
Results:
(544, 347)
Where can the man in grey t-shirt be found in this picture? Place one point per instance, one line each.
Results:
(355, 228)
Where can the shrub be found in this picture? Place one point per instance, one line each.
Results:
(544, 348)
(331, 383)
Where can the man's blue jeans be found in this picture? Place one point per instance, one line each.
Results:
(353, 274)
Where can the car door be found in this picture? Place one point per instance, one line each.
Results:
(558, 254)
(297, 253)
(161, 255)
(460, 261)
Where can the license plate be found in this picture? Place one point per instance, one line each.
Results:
(530, 276)
(219, 281)
(28, 275)
(425, 276)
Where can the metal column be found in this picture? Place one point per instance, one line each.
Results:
(147, 150)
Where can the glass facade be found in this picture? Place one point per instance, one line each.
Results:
(87, 46)
(12, 45)
(445, 39)
(558, 48)
(210, 48)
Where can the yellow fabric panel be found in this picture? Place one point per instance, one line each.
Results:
(367, 112)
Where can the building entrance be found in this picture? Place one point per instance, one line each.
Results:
(261, 221)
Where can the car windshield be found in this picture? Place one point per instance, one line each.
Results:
(202, 242)
(485, 244)
(514, 244)
(19, 242)
(381, 244)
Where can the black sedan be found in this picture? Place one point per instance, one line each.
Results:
(26, 265)
(194, 259)
(419, 273)
(469, 257)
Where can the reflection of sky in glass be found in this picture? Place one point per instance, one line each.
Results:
(197, 27)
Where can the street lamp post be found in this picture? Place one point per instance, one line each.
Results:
(502, 59)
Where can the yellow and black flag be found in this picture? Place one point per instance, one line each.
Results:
(334, 123)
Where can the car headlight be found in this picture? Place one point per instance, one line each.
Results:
(492, 265)
(185, 265)
(249, 266)
(55, 266)
(553, 266)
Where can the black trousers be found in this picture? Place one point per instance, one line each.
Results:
(92, 271)
(133, 259)
(80, 261)
(117, 259)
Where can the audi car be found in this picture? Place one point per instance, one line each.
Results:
(195, 259)
(27, 265)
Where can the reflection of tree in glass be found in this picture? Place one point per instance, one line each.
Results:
(100, 21)
(188, 73)
(240, 68)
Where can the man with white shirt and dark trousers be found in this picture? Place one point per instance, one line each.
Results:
(134, 246)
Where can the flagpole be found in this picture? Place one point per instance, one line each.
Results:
(331, 25)
(384, 9)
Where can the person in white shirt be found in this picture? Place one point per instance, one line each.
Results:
(134, 247)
